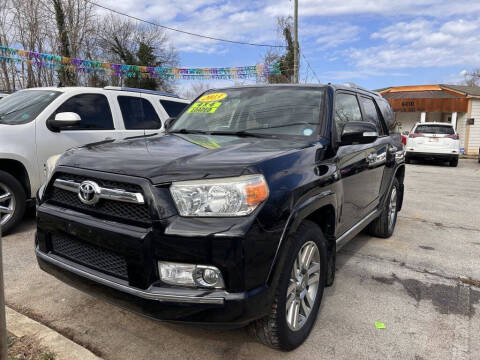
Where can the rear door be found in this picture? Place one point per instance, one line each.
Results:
(97, 124)
(139, 115)
(377, 152)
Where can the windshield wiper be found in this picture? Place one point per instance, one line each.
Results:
(242, 133)
(188, 131)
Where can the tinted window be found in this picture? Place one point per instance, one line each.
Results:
(93, 109)
(346, 109)
(434, 129)
(138, 113)
(24, 106)
(173, 108)
(371, 114)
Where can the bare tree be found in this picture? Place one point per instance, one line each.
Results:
(472, 78)
(194, 90)
(285, 59)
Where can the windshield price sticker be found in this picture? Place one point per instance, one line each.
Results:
(212, 97)
(204, 108)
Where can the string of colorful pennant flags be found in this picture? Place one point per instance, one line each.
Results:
(56, 62)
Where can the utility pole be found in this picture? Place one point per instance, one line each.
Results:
(295, 50)
(3, 323)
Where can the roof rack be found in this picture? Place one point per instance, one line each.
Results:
(355, 86)
(144, 91)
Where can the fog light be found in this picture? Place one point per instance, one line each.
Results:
(190, 275)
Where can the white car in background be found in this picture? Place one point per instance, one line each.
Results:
(36, 124)
(432, 141)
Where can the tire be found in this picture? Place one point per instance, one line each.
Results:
(384, 225)
(274, 330)
(454, 162)
(16, 201)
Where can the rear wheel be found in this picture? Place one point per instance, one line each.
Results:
(454, 162)
(299, 291)
(12, 201)
(384, 225)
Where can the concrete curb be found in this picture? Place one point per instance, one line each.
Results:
(64, 349)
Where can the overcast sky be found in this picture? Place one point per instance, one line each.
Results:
(374, 43)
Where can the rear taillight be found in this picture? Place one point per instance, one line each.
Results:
(454, 137)
(412, 135)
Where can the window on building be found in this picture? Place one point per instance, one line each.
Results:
(138, 113)
(93, 109)
(173, 108)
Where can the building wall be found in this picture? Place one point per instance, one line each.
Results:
(474, 130)
(406, 120)
(461, 128)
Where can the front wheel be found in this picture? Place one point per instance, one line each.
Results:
(384, 225)
(299, 291)
(12, 201)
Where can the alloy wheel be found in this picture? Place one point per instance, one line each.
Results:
(303, 286)
(392, 208)
(7, 204)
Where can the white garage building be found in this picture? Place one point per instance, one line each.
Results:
(456, 104)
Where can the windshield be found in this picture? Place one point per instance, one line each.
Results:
(259, 111)
(434, 129)
(24, 106)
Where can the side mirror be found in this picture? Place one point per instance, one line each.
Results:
(169, 122)
(64, 120)
(358, 132)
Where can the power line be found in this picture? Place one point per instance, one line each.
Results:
(182, 31)
(313, 71)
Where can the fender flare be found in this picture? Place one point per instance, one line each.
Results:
(301, 211)
(384, 199)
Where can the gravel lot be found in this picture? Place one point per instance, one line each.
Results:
(418, 283)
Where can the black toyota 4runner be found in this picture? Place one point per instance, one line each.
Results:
(234, 216)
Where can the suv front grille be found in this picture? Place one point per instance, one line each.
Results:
(110, 209)
(90, 256)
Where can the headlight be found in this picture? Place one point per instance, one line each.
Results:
(50, 166)
(220, 197)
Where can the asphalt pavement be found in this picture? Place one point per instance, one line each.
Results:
(423, 283)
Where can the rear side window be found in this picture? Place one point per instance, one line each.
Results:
(434, 129)
(346, 109)
(371, 114)
(138, 113)
(173, 108)
(93, 109)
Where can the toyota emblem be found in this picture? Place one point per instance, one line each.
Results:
(88, 192)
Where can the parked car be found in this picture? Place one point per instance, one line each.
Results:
(38, 123)
(232, 218)
(433, 141)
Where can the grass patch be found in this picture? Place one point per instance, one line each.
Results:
(27, 348)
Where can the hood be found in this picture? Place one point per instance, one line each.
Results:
(178, 156)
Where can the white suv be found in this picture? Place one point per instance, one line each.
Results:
(36, 124)
(433, 140)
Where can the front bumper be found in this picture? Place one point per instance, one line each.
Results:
(143, 292)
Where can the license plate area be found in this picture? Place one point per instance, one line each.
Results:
(89, 255)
